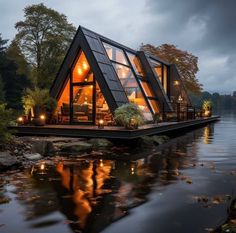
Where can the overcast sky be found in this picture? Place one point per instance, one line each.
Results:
(205, 28)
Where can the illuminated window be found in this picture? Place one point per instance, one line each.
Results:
(136, 64)
(81, 71)
(115, 54)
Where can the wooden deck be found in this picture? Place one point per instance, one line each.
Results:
(88, 131)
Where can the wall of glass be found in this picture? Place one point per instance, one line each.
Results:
(127, 78)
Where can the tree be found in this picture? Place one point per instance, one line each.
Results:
(13, 53)
(13, 83)
(186, 63)
(43, 38)
(2, 92)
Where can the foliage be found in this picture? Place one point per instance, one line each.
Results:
(13, 53)
(129, 116)
(220, 102)
(207, 105)
(43, 38)
(13, 83)
(2, 93)
(186, 63)
(38, 98)
(6, 116)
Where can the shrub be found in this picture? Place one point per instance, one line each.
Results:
(6, 116)
(38, 99)
(129, 116)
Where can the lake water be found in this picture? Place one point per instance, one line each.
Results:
(184, 186)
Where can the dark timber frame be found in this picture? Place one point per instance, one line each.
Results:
(91, 44)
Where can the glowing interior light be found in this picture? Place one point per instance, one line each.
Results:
(79, 71)
(176, 83)
(85, 65)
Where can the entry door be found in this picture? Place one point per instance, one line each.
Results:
(83, 101)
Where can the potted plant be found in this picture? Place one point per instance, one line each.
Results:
(207, 107)
(129, 116)
(38, 103)
(156, 118)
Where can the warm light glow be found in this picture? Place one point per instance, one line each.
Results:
(42, 166)
(20, 119)
(101, 163)
(180, 98)
(101, 122)
(176, 83)
(79, 71)
(132, 170)
(91, 86)
(42, 117)
(85, 66)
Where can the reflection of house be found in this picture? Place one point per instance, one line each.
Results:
(98, 75)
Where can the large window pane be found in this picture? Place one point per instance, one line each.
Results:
(154, 106)
(136, 64)
(157, 67)
(165, 78)
(102, 109)
(83, 103)
(132, 89)
(147, 89)
(81, 71)
(63, 104)
(115, 54)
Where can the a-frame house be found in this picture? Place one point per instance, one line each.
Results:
(98, 75)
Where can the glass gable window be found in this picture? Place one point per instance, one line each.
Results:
(115, 54)
(128, 79)
(136, 64)
(161, 72)
(81, 71)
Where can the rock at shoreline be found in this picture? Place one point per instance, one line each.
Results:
(42, 147)
(7, 161)
(76, 147)
(33, 156)
(153, 140)
(100, 142)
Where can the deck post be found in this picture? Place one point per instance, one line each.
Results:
(163, 111)
(178, 111)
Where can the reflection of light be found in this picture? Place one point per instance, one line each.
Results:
(206, 135)
(101, 163)
(42, 166)
(42, 117)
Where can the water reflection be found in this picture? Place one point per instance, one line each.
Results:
(94, 193)
(91, 194)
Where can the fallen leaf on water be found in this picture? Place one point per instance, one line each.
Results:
(209, 229)
(189, 181)
(233, 173)
(2, 225)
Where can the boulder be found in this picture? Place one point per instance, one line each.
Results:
(100, 142)
(76, 147)
(33, 156)
(42, 147)
(7, 161)
(159, 140)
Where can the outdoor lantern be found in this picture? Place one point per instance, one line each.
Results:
(176, 82)
(42, 166)
(42, 117)
(101, 124)
(20, 120)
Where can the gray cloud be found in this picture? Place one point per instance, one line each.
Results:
(204, 27)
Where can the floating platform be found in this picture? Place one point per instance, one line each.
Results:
(111, 132)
